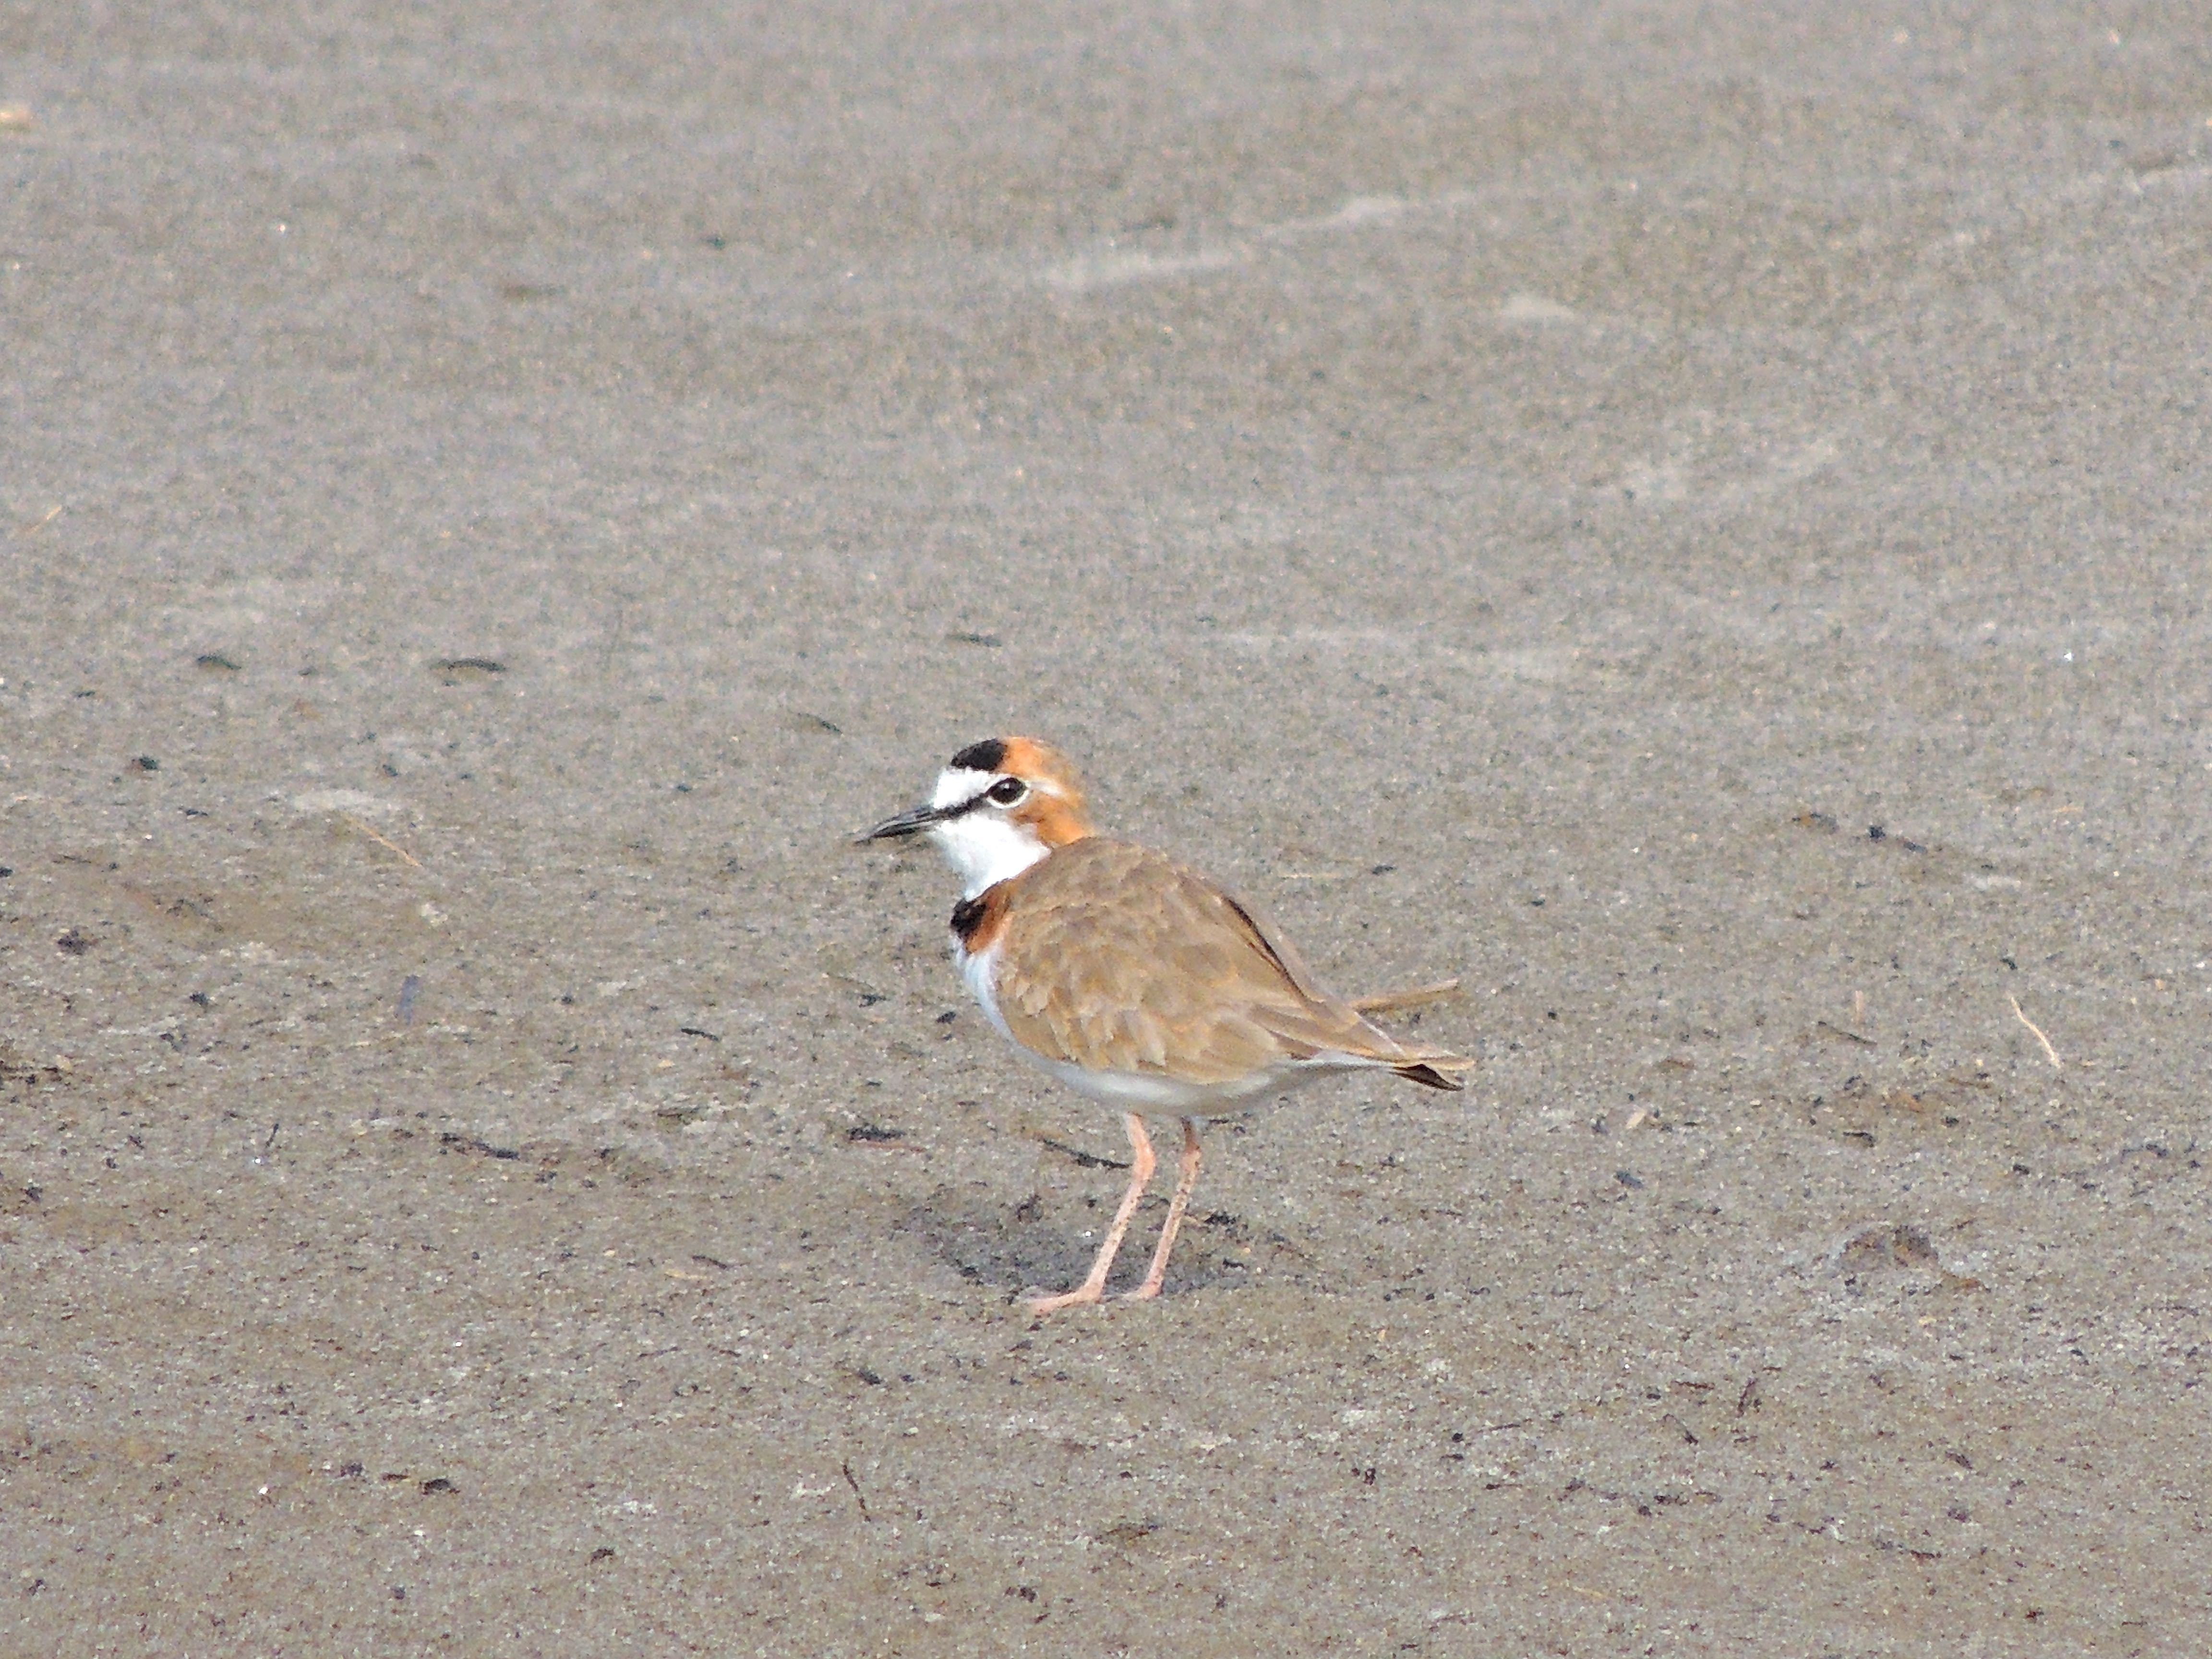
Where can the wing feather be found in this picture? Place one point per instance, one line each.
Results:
(1116, 958)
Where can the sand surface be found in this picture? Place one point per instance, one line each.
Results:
(1692, 519)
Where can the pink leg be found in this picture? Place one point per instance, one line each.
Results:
(1176, 1205)
(1141, 1165)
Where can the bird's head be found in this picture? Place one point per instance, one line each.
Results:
(999, 805)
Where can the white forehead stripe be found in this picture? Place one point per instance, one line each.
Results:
(955, 784)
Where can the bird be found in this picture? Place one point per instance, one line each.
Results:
(1134, 981)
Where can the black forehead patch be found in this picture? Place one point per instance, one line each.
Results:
(987, 756)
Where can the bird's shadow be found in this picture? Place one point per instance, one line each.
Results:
(1046, 1241)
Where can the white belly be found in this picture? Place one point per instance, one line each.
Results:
(1149, 1092)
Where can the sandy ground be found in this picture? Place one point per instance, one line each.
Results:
(1692, 521)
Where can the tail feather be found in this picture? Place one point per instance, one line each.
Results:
(1432, 1068)
(1394, 1002)
(1427, 1073)
(1341, 1033)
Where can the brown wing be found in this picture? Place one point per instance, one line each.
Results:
(1117, 959)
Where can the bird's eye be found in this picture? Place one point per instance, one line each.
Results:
(1007, 791)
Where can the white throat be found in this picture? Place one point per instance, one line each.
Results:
(985, 847)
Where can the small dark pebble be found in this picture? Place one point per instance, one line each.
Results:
(215, 660)
(201, 998)
(145, 763)
(605, 1553)
(1082, 1160)
(1129, 1531)
(1875, 832)
(74, 943)
(873, 1131)
(437, 1484)
(944, 1018)
(1626, 1179)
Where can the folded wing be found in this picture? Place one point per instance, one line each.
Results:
(1117, 959)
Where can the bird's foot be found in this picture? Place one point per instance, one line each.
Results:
(1082, 1296)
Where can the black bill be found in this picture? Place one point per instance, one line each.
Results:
(911, 823)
